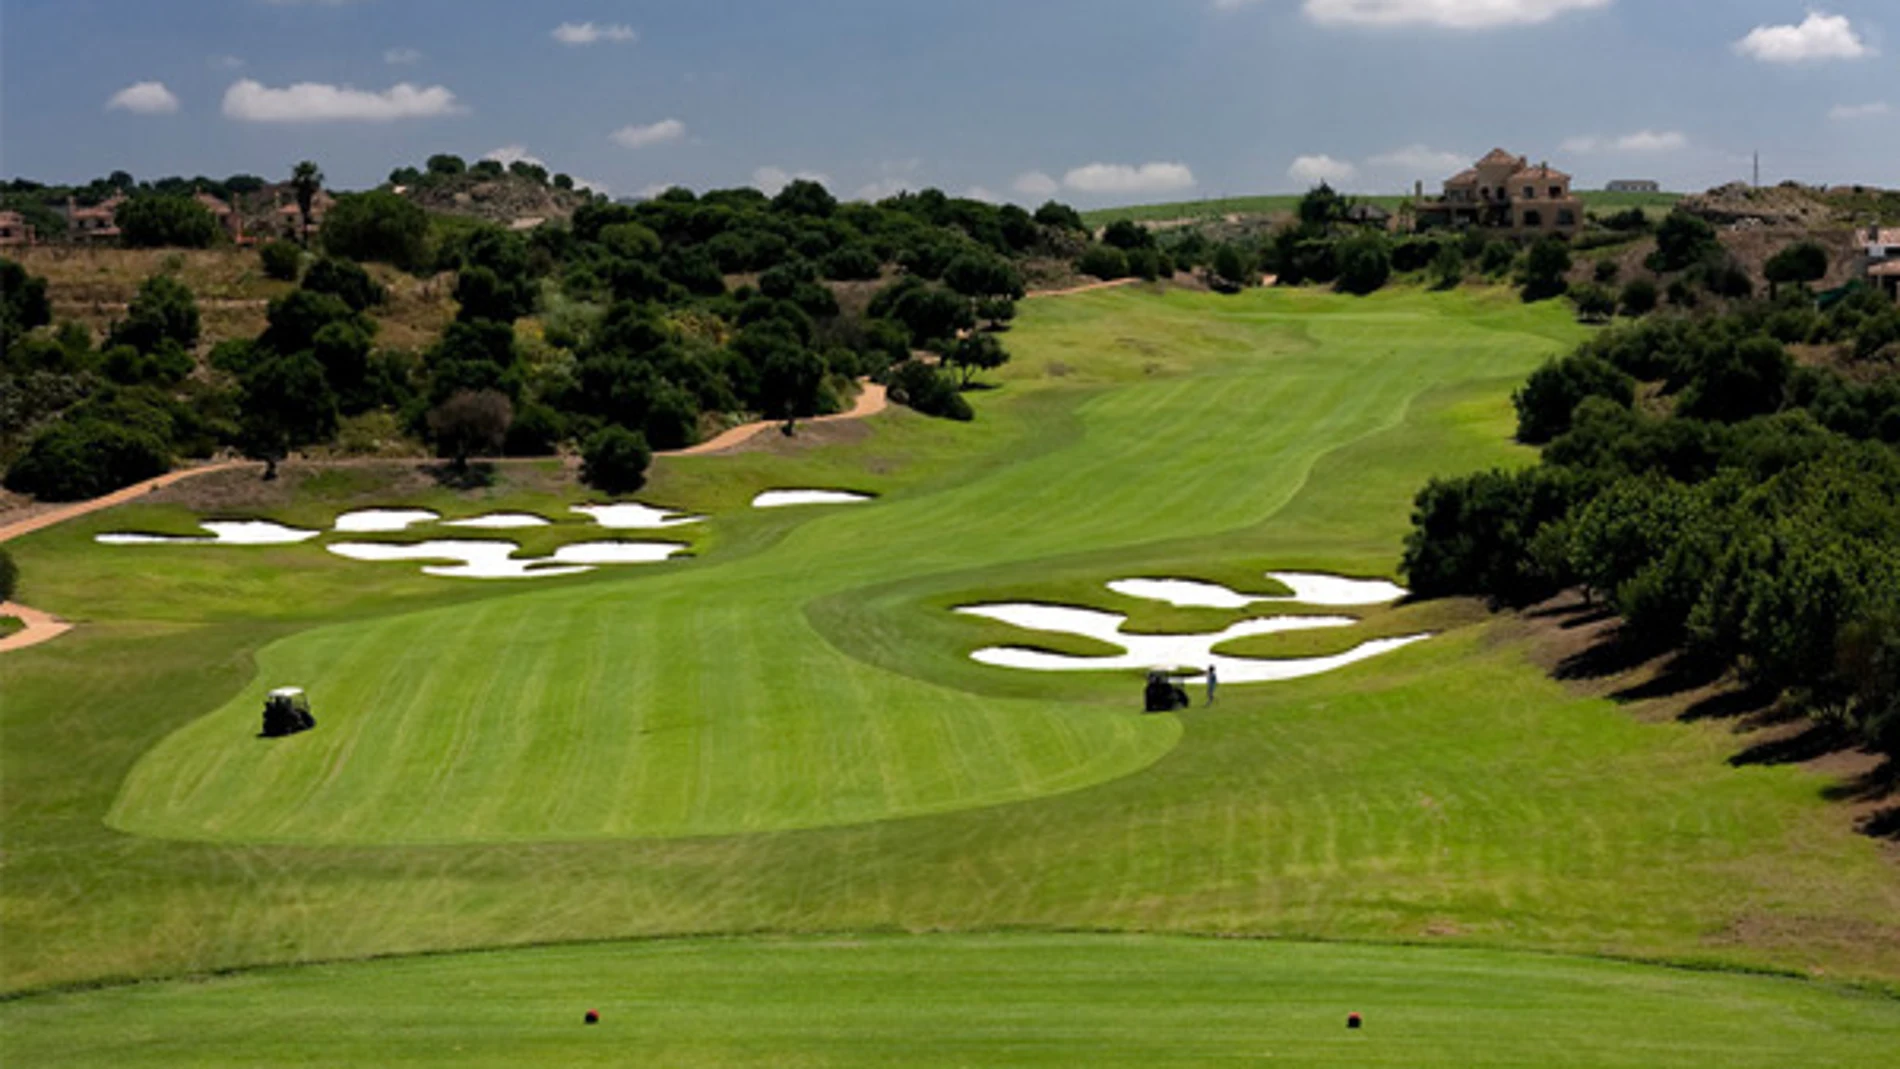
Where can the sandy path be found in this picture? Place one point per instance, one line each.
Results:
(40, 627)
(62, 513)
(871, 400)
(1088, 288)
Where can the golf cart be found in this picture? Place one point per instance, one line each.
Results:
(1165, 693)
(286, 713)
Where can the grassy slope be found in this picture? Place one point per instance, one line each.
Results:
(1275, 204)
(1034, 1000)
(1449, 793)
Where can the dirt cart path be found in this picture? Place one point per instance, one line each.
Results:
(871, 400)
(40, 627)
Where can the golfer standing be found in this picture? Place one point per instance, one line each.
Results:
(1212, 682)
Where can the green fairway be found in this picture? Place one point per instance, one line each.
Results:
(785, 734)
(1016, 1000)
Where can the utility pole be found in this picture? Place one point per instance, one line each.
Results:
(1758, 170)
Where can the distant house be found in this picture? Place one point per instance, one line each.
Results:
(228, 219)
(1634, 185)
(15, 230)
(1366, 213)
(289, 217)
(1881, 246)
(98, 223)
(1505, 192)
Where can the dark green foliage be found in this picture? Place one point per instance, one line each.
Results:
(1639, 297)
(1232, 268)
(1544, 269)
(78, 459)
(296, 317)
(1803, 262)
(287, 404)
(804, 197)
(1475, 535)
(377, 227)
(9, 575)
(630, 241)
(164, 311)
(446, 166)
(481, 294)
(1104, 262)
(1496, 257)
(928, 390)
(156, 221)
(1125, 235)
(1595, 303)
(790, 383)
(1060, 217)
(977, 275)
(615, 460)
(1547, 401)
(1321, 207)
(537, 431)
(1682, 241)
(282, 260)
(1628, 221)
(1732, 382)
(1365, 262)
(975, 354)
(347, 280)
(931, 314)
(1606, 271)
(23, 303)
(470, 423)
(853, 263)
(1448, 266)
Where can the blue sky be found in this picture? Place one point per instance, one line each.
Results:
(1092, 101)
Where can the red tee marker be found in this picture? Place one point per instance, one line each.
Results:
(1353, 1021)
(593, 1017)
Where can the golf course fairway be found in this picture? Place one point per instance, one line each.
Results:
(782, 736)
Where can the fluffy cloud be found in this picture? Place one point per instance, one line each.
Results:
(587, 33)
(1035, 184)
(1640, 141)
(144, 98)
(769, 180)
(1850, 112)
(1453, 14)
(513, 154)
(1820, 36)
(1416, 158)
(307, 102)
(650, 134)
(1312, 170)
(397, 57)
(1120, 178)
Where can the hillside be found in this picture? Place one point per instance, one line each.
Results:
(1283, 204)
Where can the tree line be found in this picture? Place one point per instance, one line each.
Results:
(1730, 505)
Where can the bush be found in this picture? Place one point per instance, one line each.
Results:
(1128, 236)
(1544, 270)
(282, 260)
(377, 227)
(927, 390)
(1682, 241)
(1231, 267)
(1802, 263)
(615, 459)
(1365, 263)
(1606, 271)
(1595, 304)
(1639, 297)
(164, 311)
(853, 263)
(346, 280)
(1548, 400)
(536, 432)
(81, 459)
(154, 222)
(1104, 262)
(9, 575)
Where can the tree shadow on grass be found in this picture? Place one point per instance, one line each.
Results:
(450, 476)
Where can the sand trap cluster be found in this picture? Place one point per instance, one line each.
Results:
(502, 521)
(634, 517)
(778, 499)
(482, 559)
(1194, 651)
(223, 533)
(382, 521)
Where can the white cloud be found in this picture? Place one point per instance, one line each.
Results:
(398, 57)
(1313, 170)
(1452, 14)
(512, 154)
(1415, 158)
(1638, 142)
(305, 102)
(587, 33)
(871, 192)
(983, 194)
(1035, 184)
(1819, 36)
(144, 98)
(1121, 178)
(1850, 112)
(769, 180)
(650, 134)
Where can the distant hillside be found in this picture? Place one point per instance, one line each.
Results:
(1285, 203)
(500, 199)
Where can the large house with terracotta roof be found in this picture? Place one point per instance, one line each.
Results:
(1506, 192)
(15, 230)
(1882, 247)
(97, 223)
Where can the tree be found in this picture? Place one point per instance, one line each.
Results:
(925, 389)
(1639, 297)
(1365, 263)
(446, 166)
(346, 280)
(1681, 242)
(974, 354)
(307, 181)
(1544, 270)
(376, 227)
(1802, 263)
(1735, 381)
(851, 263)
(9, 576)
(1595, 303)
(296, 317)
(287, 404)
(153, 222)
(1058, 216)
(1127, 235)
(282, 260)
(931, 313)
(481, 294)
(163, 311)
(1448, 266)
(23, 304)
(469, 422)
(790, 381)
(1104, 262)
(615, 460)
(1231, 268)
(805, 197)
(77, 459)
(1321, 207)
(1548, 400)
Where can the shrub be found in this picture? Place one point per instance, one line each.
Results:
(1549, 399)
(471, 423)
(377, 227)
(1128, 236)
(344, 279)
(927, 390)
(1639, 297)
(1231, 267)
(1595, 304)
(536, 432)
(1606, 271)
(1365, 263)
(163, 311)
(80, 459)
(1497, 258)
(615, 460)
(9, 575)
(153, 222)
(1682, 241)
(1104, 262)
(1544, 270)
(282, 260)
(1803, 262)
(852, 263)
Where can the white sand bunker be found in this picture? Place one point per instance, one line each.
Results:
(502, 521)
(1330, 591)
(223, 533)
(1147, 651)
(778, 499)
(496, 560)
(634, 517)
(382, 521)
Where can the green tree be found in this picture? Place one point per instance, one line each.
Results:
(1550, 397)
(282, 260)
(1104, 262)
(1448, 266)
(23, 304)
(287, 404)
(1639, 297)
(77, 459)
(163, 311)
(446, 166)
(377, 227)
(1803, 263)
(1321, 207)
(1736, 381)
(307, 181)
(1128, 235)
(155, 221)
(615, 459)
(790, 383)
(1365, 263)
(1682, 241)
(975, 354)
(1595, 303)
(1231, 267)
(1058, 216)
(805, 197)
(1544, 270)
(471, 422)
(346, 280)
(9, 575)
